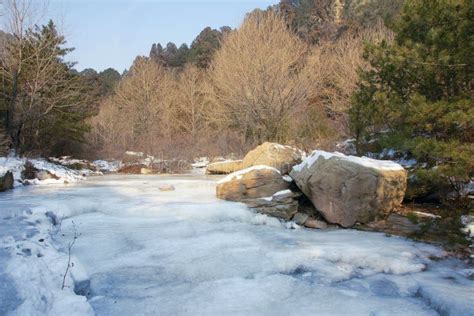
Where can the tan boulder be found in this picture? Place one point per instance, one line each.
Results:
(146, 171)
(251, 183)
(348, 189)
(274, 155)
(224, 167)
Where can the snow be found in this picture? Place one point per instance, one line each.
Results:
(468, 222)
(277, 194)
(282, 192)
(296, 152)
(363, 161)
(200, 162)
(107, 166)
(347, 146)
(134, 153)
(65, 175)
(184, 252)
(238, 174)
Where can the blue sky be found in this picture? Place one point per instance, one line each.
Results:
(111, 33)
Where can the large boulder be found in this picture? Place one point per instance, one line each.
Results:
(224, 167)
(280, 157)
(6, 181)
(251, 183)
(348, 189)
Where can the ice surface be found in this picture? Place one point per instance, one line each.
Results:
(184, 252)
(363, 161)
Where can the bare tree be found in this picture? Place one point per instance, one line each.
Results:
(137, 116)
(190, 102)
(332, 68)
(256, 79)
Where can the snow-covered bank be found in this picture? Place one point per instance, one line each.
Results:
(62, 170)
(144, 251)
(16, 165)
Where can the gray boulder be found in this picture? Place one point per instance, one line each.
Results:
(6, 181)
(348, 189)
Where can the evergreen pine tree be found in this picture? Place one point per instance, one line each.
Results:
(418, 95)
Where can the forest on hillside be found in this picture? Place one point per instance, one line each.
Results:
(391, 75)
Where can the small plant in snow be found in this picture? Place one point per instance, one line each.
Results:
(69, 252)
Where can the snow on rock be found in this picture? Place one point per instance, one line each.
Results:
(133, 158)
(363, 161)
(13, 164)
(200, 162)
(347, 146)
(468, 222)
(238, 174)
(134, 153)
(251, 183)
(107, 165)
(185, 252)
(287, 178)
(282, 192)
(277, 194)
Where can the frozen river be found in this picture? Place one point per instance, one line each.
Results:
(141, 251)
